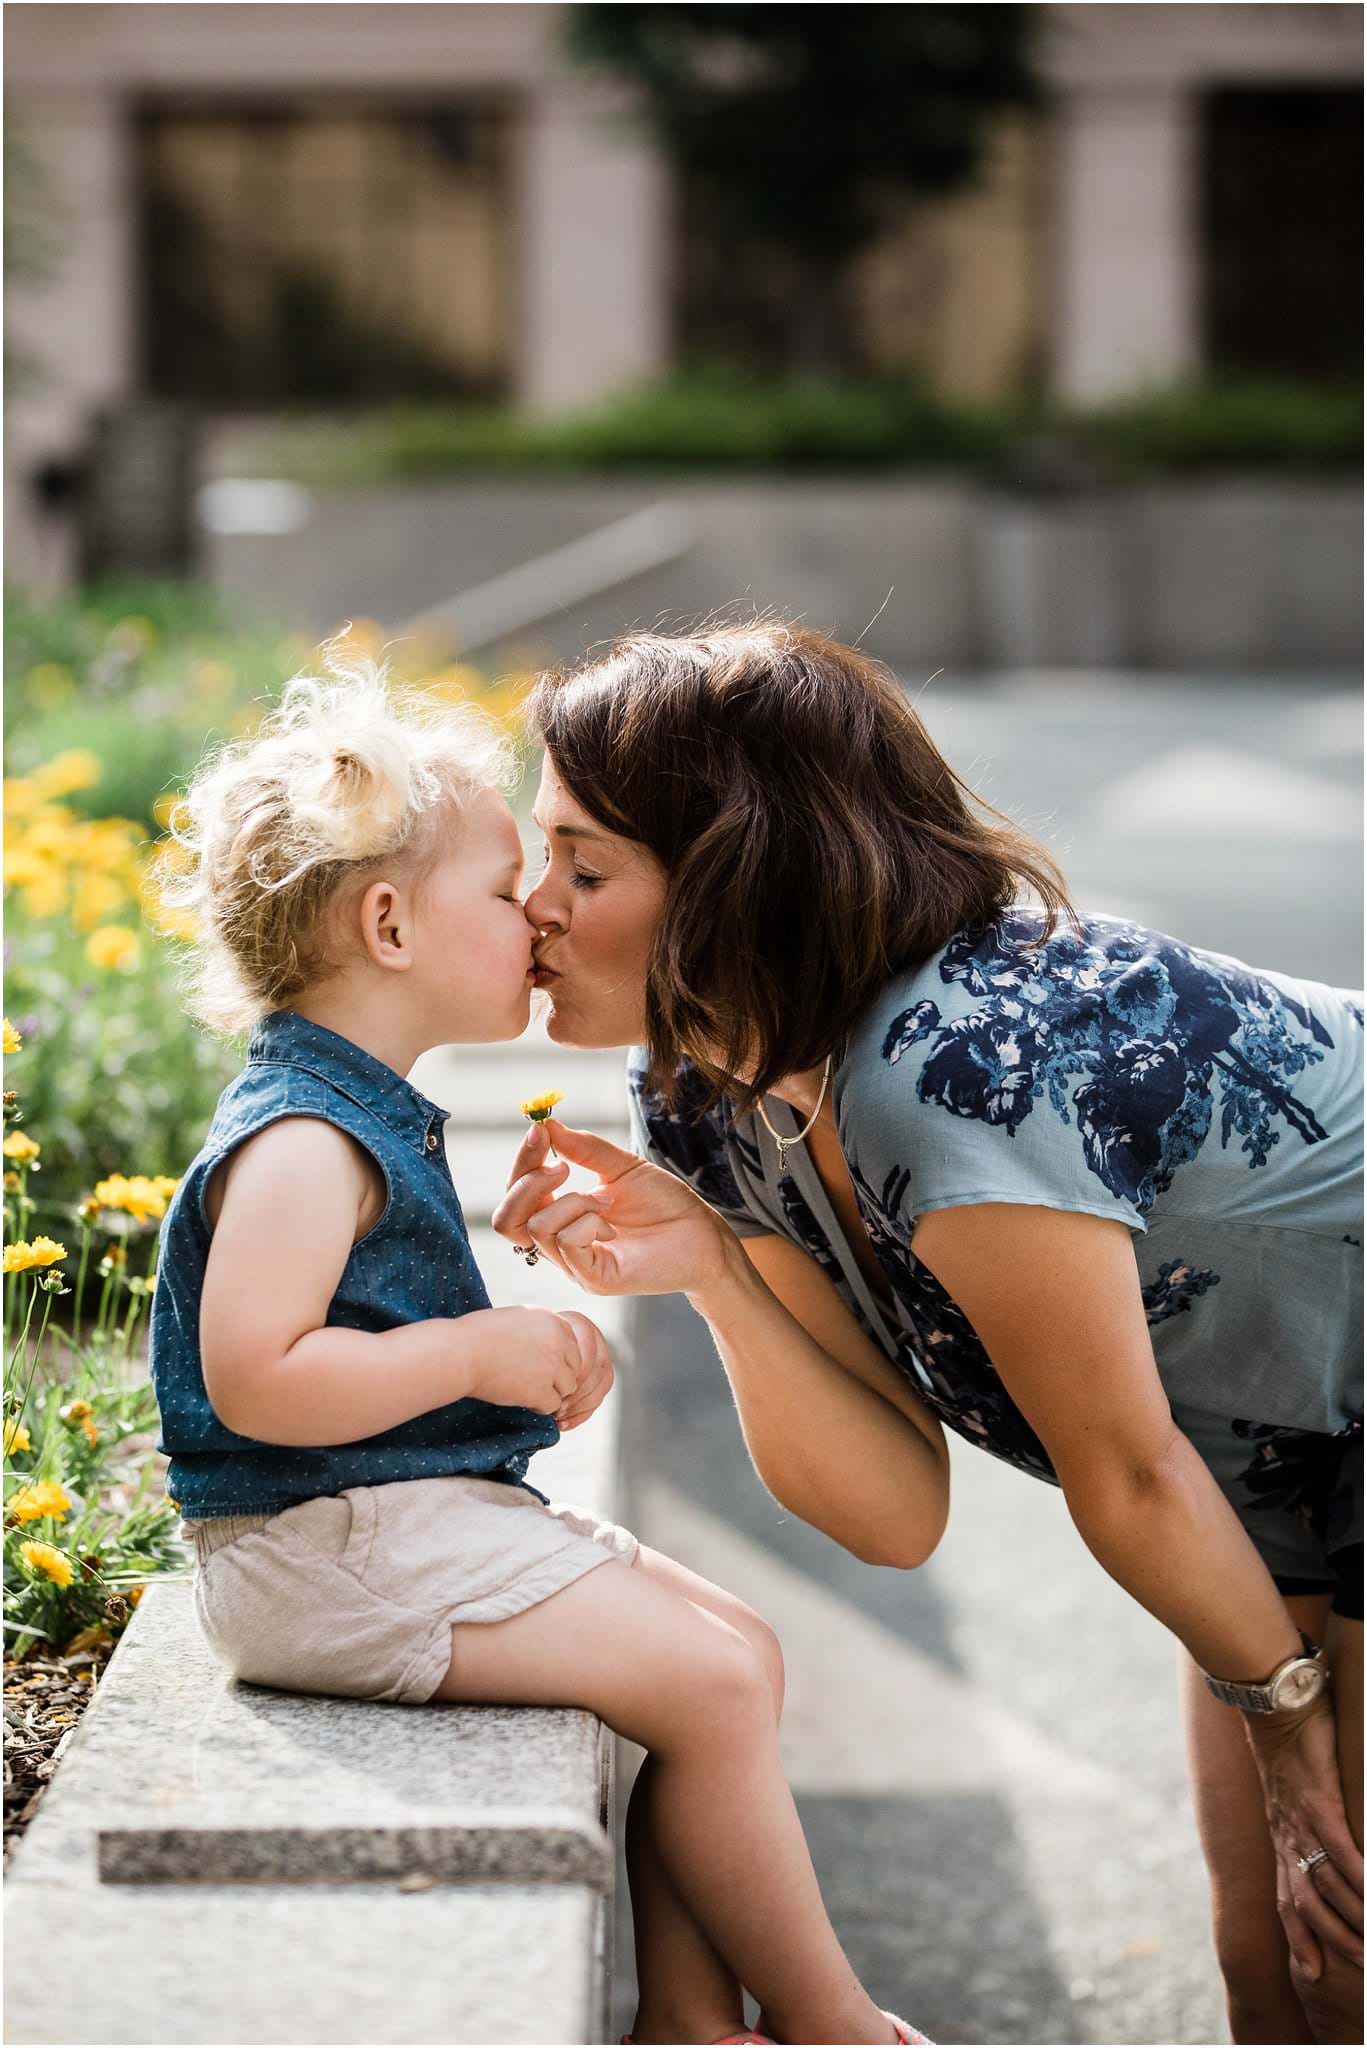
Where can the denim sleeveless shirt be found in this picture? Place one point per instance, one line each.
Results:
(415, 1263)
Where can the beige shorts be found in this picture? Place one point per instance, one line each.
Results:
(356, 1593)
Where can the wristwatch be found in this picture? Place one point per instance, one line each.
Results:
(1294, 1683)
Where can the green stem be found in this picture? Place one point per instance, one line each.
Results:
(80, 1277)
(104, 1301)
(42, 1328)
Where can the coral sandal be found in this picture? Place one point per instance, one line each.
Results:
(905, 2034)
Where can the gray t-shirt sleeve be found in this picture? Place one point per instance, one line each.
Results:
(695, 1151)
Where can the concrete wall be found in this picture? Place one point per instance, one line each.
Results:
(927, 574)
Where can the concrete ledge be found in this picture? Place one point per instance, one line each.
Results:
(317, 1870)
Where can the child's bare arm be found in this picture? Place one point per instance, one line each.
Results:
(274, 1371)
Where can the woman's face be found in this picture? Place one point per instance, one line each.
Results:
(595, 906)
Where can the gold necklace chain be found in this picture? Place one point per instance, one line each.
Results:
(785, 1145)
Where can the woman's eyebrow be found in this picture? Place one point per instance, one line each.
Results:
(567, 831)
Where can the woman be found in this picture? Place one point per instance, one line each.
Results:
(923, 1156)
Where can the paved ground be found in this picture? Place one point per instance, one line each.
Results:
(985, 1751)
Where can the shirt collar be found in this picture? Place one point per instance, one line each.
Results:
(285, 1036)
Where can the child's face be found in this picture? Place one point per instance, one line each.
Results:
(473, 943)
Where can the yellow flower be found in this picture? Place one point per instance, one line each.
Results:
(114, 945)
(164, 809)
(11, 1180)
(21, 797)
(19, 1145)
(44, 1251)
(39, 1502)
(83, 1415)
(16, 1438)
(96, 898)
(41, 1557)
(13, 1042)
(139, 1197)
(539, 1107)
(76, 769)
(132, 1594)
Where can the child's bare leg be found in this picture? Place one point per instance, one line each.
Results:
(682, 1684)
(686, 1991)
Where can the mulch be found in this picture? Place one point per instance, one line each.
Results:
(44, 1700)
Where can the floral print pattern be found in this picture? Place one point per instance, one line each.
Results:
(1123, 1037)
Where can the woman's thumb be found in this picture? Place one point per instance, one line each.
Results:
(585, 1148)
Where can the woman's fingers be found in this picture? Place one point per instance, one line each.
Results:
(608, 1161)
(1339, 1896)
(527, 1194)
(551, 1229)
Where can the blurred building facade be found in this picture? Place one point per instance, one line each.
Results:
(256, 205)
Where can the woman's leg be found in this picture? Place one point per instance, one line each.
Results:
(687, 1687)
(1333, 2003)
(1227, 1794)
(685, 1989)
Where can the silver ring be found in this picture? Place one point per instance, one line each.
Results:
(528, 1252)
(1309, 1863)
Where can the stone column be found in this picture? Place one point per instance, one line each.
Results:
(71, 331)
(590, 266)
(1128, 237)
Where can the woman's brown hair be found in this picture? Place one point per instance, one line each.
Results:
(814, 839)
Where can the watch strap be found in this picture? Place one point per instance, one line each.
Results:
(1257, 1698)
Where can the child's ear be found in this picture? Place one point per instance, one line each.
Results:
(385, 926)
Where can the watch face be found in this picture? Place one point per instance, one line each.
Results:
(1298, 1686)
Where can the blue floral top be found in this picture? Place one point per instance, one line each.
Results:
(1215, 1109)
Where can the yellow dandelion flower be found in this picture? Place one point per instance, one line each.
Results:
(13, 1042)
(16, 1438)
(43, 1501)
(19, 1145)
(114, 946)
(44, 1251)
(539, 1107)
(54, 1564)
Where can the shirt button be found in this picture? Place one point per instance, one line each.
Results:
(431, 1141)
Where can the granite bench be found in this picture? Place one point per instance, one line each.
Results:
(229, 1864)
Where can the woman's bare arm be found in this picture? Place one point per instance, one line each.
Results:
(833, 1430)
(1055, 1299)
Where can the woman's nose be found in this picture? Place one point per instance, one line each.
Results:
(536, 910)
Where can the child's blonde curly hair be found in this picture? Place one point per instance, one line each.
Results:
(348, 773)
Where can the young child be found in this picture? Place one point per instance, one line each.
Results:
(349, 1421)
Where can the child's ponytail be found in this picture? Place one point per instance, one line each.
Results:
(345, 772)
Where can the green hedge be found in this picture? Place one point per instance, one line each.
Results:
(723, 422)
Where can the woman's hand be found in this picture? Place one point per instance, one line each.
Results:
(1297, 1761)
(641, 1231)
